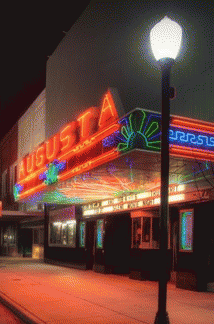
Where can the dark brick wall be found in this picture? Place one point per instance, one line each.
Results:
(8, 156)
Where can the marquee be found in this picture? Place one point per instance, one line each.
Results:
(99, 136)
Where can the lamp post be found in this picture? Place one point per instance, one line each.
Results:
(165, 38)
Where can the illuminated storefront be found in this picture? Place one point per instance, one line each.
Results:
(110, 167)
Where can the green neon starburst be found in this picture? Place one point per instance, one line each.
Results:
(140, 129)
(17, 188)
(52, 174)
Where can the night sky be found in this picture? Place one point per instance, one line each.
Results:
(32, 31)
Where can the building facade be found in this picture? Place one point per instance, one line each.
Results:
(8, 156)
(18, 238)
(98, 178)
(91, 160)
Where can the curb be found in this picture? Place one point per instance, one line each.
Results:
(22, 313)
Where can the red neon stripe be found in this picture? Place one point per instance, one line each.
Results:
(94, 139)
(102, 134)
(191, 153)
(32, 190)
(32, 176)
(192, 124)
(191, 128)
(92, 164)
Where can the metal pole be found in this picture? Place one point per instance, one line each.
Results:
(162, 315)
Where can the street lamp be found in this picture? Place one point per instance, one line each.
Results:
(165, 38)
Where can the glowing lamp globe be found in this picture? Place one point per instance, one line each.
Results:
(165, 38)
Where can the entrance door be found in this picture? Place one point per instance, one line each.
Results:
(26, 240)
(90, 244)
(118, 243)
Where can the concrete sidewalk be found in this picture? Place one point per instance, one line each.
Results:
(43, 293)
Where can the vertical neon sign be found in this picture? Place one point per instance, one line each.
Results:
(186, 230)
(82, 234)
(100, 233)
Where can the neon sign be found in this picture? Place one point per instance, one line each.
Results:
(99, 136)
(191, 138)
(100, 233)
(16, 190)
(187, 137)
(63, 143)
(79, 144)
(186, 230)
(51, 175)
(141, 129)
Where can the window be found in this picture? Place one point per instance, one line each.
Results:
(82, 234)
(155, 232)
(72, 233)
(9, 235)
(186, 230)
(137, 232)
(63, 233)
(52, 238)
(145, 232)
(146, 229)
(100, 233)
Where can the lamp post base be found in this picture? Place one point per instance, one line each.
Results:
(162, 318)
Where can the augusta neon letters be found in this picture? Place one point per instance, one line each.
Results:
(92, 121)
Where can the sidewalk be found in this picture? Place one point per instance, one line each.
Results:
(44, 293)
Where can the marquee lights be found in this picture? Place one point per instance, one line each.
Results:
(108, 112)
(192, 124)
(134, 201)
(188, 138)
(192, 153)
(89, 142)
(89, 164)
(75, 171)
(111, 140)
(75, 143)
(191, 138)
(97, 137)
(67, 138)
(87, 122)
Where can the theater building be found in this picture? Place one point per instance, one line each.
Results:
(91, 162)
(99, 180)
